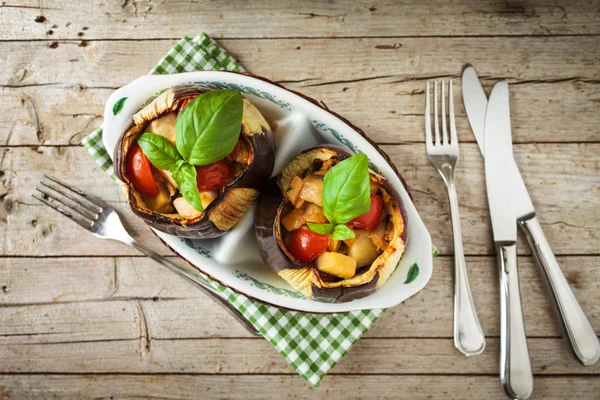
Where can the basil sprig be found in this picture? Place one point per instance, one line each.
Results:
(163, 155)
(208, 128)
(346, 195)
(206, 131)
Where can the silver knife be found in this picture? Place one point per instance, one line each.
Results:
(515, 367)
(576, 328)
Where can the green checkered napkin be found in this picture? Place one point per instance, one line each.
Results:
(312, 344)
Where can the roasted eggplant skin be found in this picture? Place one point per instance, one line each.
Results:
(234, 201)
(304, 277)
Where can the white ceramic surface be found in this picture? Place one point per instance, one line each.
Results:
(233, 259)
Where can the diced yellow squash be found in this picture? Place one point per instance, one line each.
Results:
(208, 197)
(164, 126)
(349, 242)
(185, 209)
(293, 191)
(334, 245)
(160, 203)
(294, 220)
(312, 190)
(363, 250)
(300, 216)
(313, 213)
(336, 264)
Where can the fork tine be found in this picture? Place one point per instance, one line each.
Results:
(436, 104)
(428, 139)
(93, 212)
(82, 222)
(71, 207)
(80, 192)
(444, 128)
(453, 135)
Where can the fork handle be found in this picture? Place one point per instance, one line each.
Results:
(200, 283)
(468, 335)
(576, 328)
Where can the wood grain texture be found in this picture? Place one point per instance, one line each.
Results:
(82, 318)
(334, 387)
(562, 179)
(173, 19)
(554, 88)
(98, 300)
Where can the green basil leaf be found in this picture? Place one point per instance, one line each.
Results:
(324, 229)
(346, 192)
(161, 153)
(342, 232)
(118, 106)
(185, 178)
(413, 273)
(208, 128)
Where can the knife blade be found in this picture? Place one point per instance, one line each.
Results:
(476, 104)
(498, 154)
(576, 329)
(515, 367)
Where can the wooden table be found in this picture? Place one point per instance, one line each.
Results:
(80, 317)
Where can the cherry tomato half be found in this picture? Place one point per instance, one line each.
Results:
(139, 171)
(213, 176)
(369, 220)
(306, 245)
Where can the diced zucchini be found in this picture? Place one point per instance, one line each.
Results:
(294, 220)
(313, 213)
(293, 191)
(334, 245)
(336, 264)
(160, 203)
(363, 250)
(164, 126)
(312, 190)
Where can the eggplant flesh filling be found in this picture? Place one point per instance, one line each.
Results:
(169, 200)
(304, 196)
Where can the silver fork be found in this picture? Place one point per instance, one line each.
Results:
(443, 154)
(103, 222)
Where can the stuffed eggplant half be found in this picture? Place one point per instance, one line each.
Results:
(331, 227)
(192, 161)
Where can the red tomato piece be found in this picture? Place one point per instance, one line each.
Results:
(369, 220)
(213, 176)
(139, 170)
(306, 245)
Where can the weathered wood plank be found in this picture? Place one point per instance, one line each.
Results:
(109, 63)
(334, 387)
(173, 309)
(256, 356)
(556, 175)
(387, 112)
(555, 84)
(148, 19)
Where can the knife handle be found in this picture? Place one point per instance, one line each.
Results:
(576, 328)
(515, 367)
